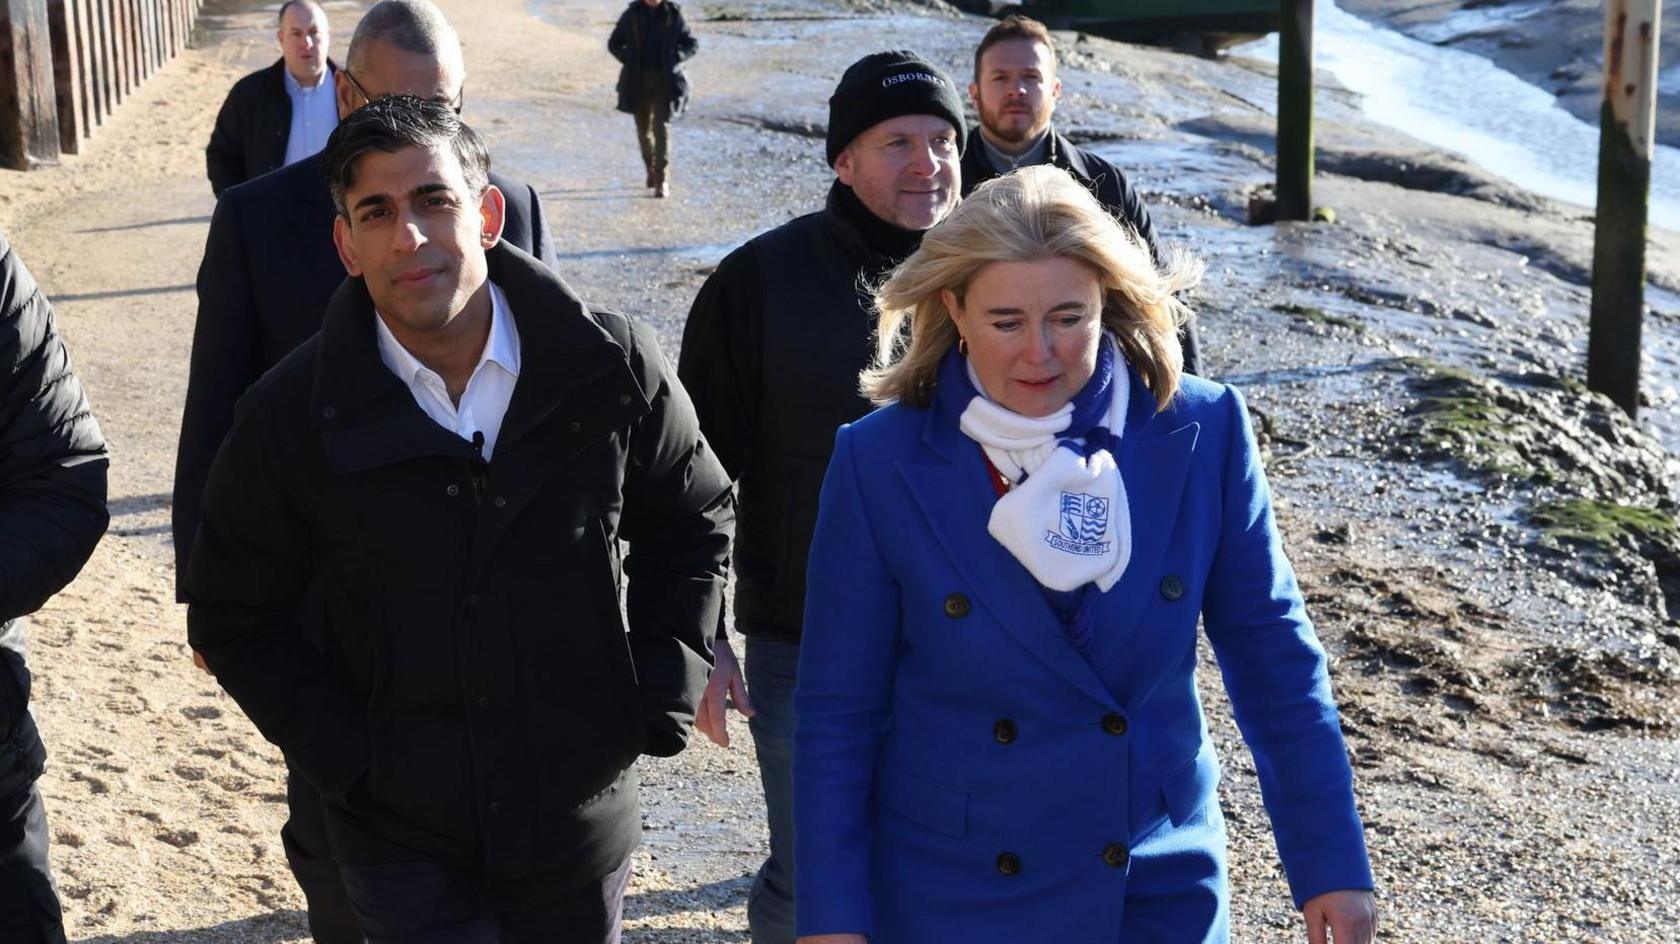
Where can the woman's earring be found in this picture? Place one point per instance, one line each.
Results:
(962, 345)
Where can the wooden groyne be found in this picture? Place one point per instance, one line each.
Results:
(65, 66)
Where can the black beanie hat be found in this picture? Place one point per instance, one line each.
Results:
(885, 85)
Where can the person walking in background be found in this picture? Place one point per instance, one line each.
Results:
(652, 40)
(53, 466)
(771, 355)
(437, 484)
(1015, 92)
(268, 271)
(282, 114)
(1000, 737)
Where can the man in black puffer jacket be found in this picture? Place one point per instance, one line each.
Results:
(52, 513)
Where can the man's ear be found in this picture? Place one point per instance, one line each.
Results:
(974, 95)
(843, 166)
(345, 93)
(346, 249)
(492, 212)
(1056, 89)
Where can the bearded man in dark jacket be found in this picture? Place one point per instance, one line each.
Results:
(52, 512)
(434, 488)
(771, 355)
(652, 40)
(1015, 91)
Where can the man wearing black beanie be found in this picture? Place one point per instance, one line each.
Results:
(771, 356)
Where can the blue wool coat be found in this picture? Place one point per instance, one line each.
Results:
(962, 773)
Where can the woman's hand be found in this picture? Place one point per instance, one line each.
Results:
(833, 939)
(1349, 916)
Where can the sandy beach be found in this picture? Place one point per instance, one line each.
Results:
(1501, 636)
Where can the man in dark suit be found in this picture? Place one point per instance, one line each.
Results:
(1015, 91)
(282, 114)
(269, 269)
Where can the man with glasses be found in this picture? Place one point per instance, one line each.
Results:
(269, 269)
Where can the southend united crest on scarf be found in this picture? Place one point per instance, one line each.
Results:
(1084, 525)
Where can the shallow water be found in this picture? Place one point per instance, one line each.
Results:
(1464, 103)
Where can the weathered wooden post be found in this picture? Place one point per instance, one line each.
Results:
(67, 70)
(28, 106)
(1627, 130)
(1295, 110)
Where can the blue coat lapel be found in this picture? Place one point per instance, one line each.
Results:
(951, 486)
(1154, 461)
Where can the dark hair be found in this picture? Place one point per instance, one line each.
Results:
(402, 121)
(1014, 26)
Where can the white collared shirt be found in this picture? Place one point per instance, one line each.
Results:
(314, 115)
(484, 403)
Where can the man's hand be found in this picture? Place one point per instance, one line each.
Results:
(1349, 916)
(726, 684)
(203, 666)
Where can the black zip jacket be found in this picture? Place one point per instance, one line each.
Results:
(475, 694)
(771, 355)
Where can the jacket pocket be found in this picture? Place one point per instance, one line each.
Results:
(1191, 786)
(937, 806)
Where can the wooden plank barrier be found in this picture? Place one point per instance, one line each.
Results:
(65, 66)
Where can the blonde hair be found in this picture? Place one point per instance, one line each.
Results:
(1032, 214)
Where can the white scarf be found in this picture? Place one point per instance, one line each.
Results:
(1065, 518)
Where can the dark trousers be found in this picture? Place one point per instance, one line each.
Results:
(419, 902)
(772, 668)
(332, 919)
(29, 911)
(653, 123)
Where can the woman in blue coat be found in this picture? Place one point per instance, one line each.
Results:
(999, 736)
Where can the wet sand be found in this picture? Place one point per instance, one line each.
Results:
(1509, 692)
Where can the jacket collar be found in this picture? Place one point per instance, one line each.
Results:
(355, 398)
(951, 483)
(867, 255)
(1062, 153)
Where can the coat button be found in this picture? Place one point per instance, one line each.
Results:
(495, 807)
(956, 605)
(576, 427)
(452, 490)
(484, 701)
(1114, 724)
(1115, 855)
(1008, 863)
(1004, 731)
(500, 502)
(1171, 587)
(624, 399)
(328, 412)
